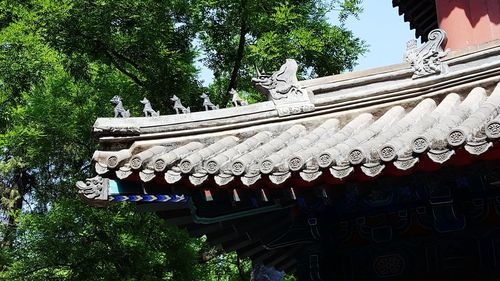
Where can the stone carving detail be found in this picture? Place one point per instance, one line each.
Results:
(356, 156)
(123, 172)
(147, 175)
(456, 137)
(172, 176)
(100, 168)
(211, 166)
(223, 179)
(136, 162)
(238, 168)
(119, 110)
(95, 188)
(266, 166)
(478, 148)
(440, 156)
(493, 129)
(372, 169)
(389, 266)
(236, 100)
(112, 161)
(283, 88)
(405, 164)
(186, 166)
(250, 179)
(207, 103)
(324, 160)
(198, 178)
(420, 145)
(295, 163)
(341, 172)
(148, 110)
(387, 153)
(279, 178)
(309, 176)
(160, 165)
(179, 108)
(426, 59)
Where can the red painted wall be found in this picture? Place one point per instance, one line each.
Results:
(469, 22)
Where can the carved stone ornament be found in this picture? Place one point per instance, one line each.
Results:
(341, 172)
(440, 156)
(250, 179)
(172, 176)
(426, 59)
(310, 175)
(283, 88)
(123, 172)
(236, 100)
(148, 109)
(478, 146)
(207, 103)
(101, 168)
(406, 163)
(95, 188)
(119, 110)
(372, 169)
(279, 178)
(147, 175)
(179, 108)
(223, 179)
(198, 178)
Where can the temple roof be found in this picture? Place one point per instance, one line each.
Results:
(335, 145)
(239, 174)
(421, 14)
(374, 122)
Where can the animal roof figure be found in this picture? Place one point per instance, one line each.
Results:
(236, 99)
(148, 110)
(179, 108)
(281, 82)
(207, 103)
(119, 110)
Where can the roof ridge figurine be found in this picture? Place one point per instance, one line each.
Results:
(207, 103)
(148, 109)
(178, 106)
(283, 88)
(426, 59)
(119, 110)
(236, 100)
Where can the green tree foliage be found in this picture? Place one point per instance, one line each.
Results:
(61, 61)
(150, 42)
(75, 242)
(239, 35)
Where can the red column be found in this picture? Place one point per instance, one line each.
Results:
(469, 22)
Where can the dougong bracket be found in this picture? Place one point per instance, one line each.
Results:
(283, 88)
(426, 59)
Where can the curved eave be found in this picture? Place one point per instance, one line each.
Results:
(344, 94)
(393, 139)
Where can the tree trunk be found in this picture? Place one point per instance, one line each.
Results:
(264, 273)
(239, 54)
(21, 183)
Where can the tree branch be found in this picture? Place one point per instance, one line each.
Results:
(123, 70)
(127, 59)
(112, 54)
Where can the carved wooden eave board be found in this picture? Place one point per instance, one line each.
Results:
(369, 123)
